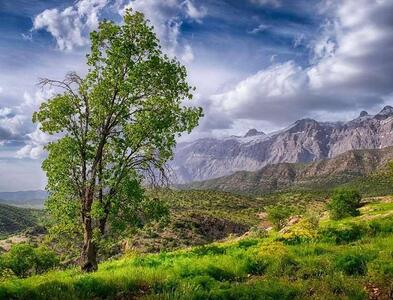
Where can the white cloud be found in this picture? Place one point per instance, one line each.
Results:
(274, 3)
(259, 28)
(34, 148)
(193, 12)
(71, 26)
(350, 69)
(167, 18)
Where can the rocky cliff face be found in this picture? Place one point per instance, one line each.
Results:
(304, 141)
(323, 174)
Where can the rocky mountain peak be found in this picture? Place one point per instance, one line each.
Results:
(386, 111)
(303, 141)
(254, 132)
(363, 114)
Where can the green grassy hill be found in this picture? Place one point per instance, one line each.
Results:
(197, 218)
(14, 219)
(347, 259)
(365, 169)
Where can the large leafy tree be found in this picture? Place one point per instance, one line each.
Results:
(114, 128)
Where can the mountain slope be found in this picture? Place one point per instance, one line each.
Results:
(345, 168)
(304, 141)
(15, 219)
(31, 199)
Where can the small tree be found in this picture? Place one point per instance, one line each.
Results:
(116, 129)
(344, 203)
(278, 215)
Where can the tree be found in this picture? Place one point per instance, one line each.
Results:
(278, 215)
(344, 203)
(115, 129)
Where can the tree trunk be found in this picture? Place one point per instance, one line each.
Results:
(102, 225)
(88, 260)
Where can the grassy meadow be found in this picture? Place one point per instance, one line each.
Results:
(347, 259)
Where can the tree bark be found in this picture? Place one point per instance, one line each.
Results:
(88, 260)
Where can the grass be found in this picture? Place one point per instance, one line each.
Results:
(331, 265)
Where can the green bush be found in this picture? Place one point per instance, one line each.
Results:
(343, 234)
(24, 260)
(256, 265)
(278, 215)
(352, 264)
(344, 203)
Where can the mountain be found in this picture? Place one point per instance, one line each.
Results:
(15, 219)
(32, 199)
(345, 168)
(306, 140)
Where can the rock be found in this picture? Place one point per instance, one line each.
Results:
(304, 141)
(254, 132)
(363, 114)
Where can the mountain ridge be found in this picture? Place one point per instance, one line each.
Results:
(306, 140)
(324, 174)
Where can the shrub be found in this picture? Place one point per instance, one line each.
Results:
(303, 231)
(23, 260)
(208, 249)
(256, 265)
(344, 203)
(343, 234)
(352, 264)
(278, 215)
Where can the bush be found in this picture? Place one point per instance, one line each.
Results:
(352, 264)
(24, 260)
(256, 265)
(343, 234)
(305, 230)
(278, 215)
(344, 203)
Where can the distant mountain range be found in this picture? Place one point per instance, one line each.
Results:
(304, 141)
(355, 166)
(31, 199)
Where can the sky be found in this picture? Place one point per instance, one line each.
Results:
(255, 63)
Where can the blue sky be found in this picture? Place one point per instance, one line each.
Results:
(255, 63)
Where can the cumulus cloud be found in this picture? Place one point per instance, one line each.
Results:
(167, 18)
(350, 68)
(71, 26)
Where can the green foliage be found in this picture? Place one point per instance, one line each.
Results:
(278, 215)
(305, 230)
(115, 129)
(344, 203)
(14, 219)
(24, 259)
(352, 264)
(343, 234)
(249, 268)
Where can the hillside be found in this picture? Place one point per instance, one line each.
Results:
(351, 168)
(347, 259)
(198, 218)
(304, 141)
(14, 219)
(29, 199)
